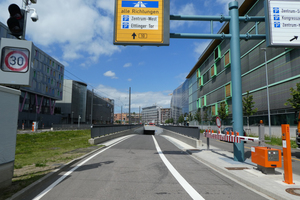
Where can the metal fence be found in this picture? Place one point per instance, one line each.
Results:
(193, 132)
(70, 126)
(98, 130)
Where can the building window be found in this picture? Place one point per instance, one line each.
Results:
(213, 110)
(200, 82)
(217, 53)
(213, 71)
(228, 91)
(227, 59)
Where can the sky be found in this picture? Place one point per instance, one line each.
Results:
(79, 34)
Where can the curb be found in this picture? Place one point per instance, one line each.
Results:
(237, 178)
(32, 187)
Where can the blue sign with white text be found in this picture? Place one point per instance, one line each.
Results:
(140, 4)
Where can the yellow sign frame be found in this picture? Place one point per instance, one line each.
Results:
(137, 24)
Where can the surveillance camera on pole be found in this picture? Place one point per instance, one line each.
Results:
(34, 16)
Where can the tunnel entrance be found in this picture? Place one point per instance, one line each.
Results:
(149, 132)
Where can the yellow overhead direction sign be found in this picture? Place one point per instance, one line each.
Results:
(141, 22)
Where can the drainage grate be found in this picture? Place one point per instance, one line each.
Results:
(294, 191)
(236, 168)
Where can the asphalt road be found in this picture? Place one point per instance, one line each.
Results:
(247, 149)
(142, 167)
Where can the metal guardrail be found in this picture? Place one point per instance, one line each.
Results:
(193, 132)
(70, 126)
(98, 130)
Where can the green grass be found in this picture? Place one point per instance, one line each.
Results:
(39, 153)
(277, 141)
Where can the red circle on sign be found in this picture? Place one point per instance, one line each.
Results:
(12, 68)
(218, 122)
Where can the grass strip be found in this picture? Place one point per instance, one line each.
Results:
(37, 154)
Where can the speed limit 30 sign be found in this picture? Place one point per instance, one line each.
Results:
(15, 59)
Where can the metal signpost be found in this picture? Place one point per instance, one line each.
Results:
(142, 22)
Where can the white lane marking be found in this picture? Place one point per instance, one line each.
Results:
(188, 188)
(39, 196)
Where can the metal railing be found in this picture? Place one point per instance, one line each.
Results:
(100, 130)
(70, 126)
(193, 132)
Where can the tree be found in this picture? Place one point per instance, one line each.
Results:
(223, 111)
(248, 105)
(191, 117)
(295, 101)
(197, 116)
(181, 119)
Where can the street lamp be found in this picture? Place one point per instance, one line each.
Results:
(267, 84)
(79, 120)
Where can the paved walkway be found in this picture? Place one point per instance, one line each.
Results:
(220, 160)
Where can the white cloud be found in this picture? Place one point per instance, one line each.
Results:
(128, 65)
(129, 79)
(138, 99)
(80, 28)
(182, 77)
(200, 47)
(183, 10)
(110, 74)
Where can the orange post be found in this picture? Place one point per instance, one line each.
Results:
(287, 155)
(32, 127)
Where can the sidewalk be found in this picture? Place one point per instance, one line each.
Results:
(246, 173)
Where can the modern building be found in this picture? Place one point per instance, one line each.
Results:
(103, 109)
(77, 105)
(121, 117)
(165, 114)
(180, 101)
(209, 81)
(151, 114)
(37, 102)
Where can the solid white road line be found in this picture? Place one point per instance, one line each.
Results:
(73, 169)
(188, 188)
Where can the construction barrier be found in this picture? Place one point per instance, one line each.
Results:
(229, 137)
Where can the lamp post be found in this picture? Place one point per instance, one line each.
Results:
(72, 117)
(267, 84)
(79, 121)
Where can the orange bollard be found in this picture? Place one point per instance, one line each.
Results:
(232, 133)
(227, 133)
(212, 131)
(237, 134)
(32, 128)
(287, 154)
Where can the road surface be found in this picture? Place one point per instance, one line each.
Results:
(142, 167)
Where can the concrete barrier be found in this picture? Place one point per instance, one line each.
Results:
(99, 140)
(188, 140)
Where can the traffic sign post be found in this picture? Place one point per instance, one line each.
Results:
(15, 62)
(142, 22)
(282, 23)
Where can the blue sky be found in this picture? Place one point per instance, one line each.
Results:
(79, 34)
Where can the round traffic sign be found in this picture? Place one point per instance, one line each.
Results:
(218, 122)
(16, 61)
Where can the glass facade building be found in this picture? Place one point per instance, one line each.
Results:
(209, 81)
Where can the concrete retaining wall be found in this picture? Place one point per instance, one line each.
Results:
(188, 140)
(102, 139)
